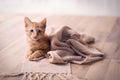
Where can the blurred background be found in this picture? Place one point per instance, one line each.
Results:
(68, 7)
(97, 18)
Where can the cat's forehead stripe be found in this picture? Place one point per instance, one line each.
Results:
(35, 24)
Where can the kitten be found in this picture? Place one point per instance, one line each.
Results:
(38, 41)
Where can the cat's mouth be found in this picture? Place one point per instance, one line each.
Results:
(34, 38)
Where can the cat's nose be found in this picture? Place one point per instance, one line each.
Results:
(35, 37)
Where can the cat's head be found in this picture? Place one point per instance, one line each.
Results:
(35, 30)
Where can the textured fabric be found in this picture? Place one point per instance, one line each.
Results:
(39, 76)
(70, 46)
(44, 66)
(49, 76)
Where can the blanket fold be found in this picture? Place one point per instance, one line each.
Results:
(70, 46)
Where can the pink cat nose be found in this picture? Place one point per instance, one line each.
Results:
(35, 37)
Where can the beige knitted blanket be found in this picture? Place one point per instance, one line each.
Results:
(70, 46)
(42, 70)
(44, 66)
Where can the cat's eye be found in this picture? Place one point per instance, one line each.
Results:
(31, 30)
(39, 31)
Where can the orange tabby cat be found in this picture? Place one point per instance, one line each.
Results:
(37, 39)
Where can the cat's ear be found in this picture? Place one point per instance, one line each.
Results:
(27, 21)
(43, 22)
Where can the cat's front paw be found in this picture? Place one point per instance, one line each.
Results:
(30, 58)
(28, 55)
